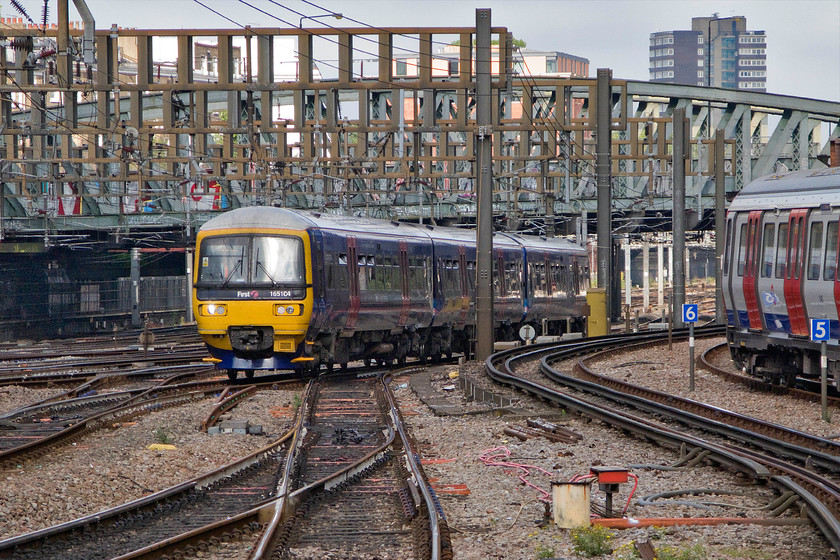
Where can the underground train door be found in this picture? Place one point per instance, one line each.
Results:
(737, 267)
(818, 285)
(794, 271)
(750, 269)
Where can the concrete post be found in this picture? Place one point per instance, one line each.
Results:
(484, 174)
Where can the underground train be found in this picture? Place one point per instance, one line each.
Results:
(282, 289)
(780, 270)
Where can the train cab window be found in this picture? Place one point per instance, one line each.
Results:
(767, 253)
(830, 267)
(742, 250)
(815, 251)
(781, 250)
(278, 260)
(222, 260)
(259, 260)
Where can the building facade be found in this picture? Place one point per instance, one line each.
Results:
(715, 52)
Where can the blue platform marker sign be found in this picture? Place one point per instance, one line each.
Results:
(690, 312)
(819, 329)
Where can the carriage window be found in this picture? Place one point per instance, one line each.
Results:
(815, 251)
(742, 250)
(471, 276)
(795, 248)
(767, 256)
(830, 268)
(781, 250)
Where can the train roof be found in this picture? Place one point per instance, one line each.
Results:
(797, 189)
(554, 243)
(269, 217)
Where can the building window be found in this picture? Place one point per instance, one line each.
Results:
(700, 39)
(453, 67)
(700, 73)
(701, 51)
(551, 65)
(700, 63)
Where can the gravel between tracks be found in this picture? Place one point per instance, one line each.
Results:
(499, 517)
(111, 467)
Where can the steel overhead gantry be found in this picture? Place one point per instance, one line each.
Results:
(262, 116)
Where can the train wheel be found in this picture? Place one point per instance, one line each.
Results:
(231, 373)
(401, 361)
(367, 362)
(343, 366)
(330, 366)
(249, 373)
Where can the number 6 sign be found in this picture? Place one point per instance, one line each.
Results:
(690, 312)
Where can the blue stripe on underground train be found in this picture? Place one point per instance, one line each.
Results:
(777, 322)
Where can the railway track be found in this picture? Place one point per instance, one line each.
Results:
(24, 434)
(227, 497)
(352, 480)
(377, 504)
(755, 445)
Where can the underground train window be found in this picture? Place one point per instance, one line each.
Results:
(222, 260)
(815, 251)
(830, 267)
(277, 260)
(767, 256)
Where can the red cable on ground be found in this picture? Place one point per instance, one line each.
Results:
(633, 491)
(491, 458)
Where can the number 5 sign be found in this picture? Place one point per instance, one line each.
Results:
(690, 312)
(819, 329)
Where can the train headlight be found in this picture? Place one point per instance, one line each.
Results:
(213, 309)
(287, 309)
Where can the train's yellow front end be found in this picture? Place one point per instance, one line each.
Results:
(253, 298)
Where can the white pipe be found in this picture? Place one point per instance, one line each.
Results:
(90, 27)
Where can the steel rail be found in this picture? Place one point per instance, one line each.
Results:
(824, 516)
(8, 546)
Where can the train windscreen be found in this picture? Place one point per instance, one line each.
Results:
(239, 260)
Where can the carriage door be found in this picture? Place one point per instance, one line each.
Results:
(465, 287)
(751, 266)
(817, 292)
(404, 287)
(353, 270)
(793, 273)
(726, 272)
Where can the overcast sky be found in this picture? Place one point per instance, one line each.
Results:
(803, 36)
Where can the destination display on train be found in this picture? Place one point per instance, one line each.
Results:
(250, 293)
